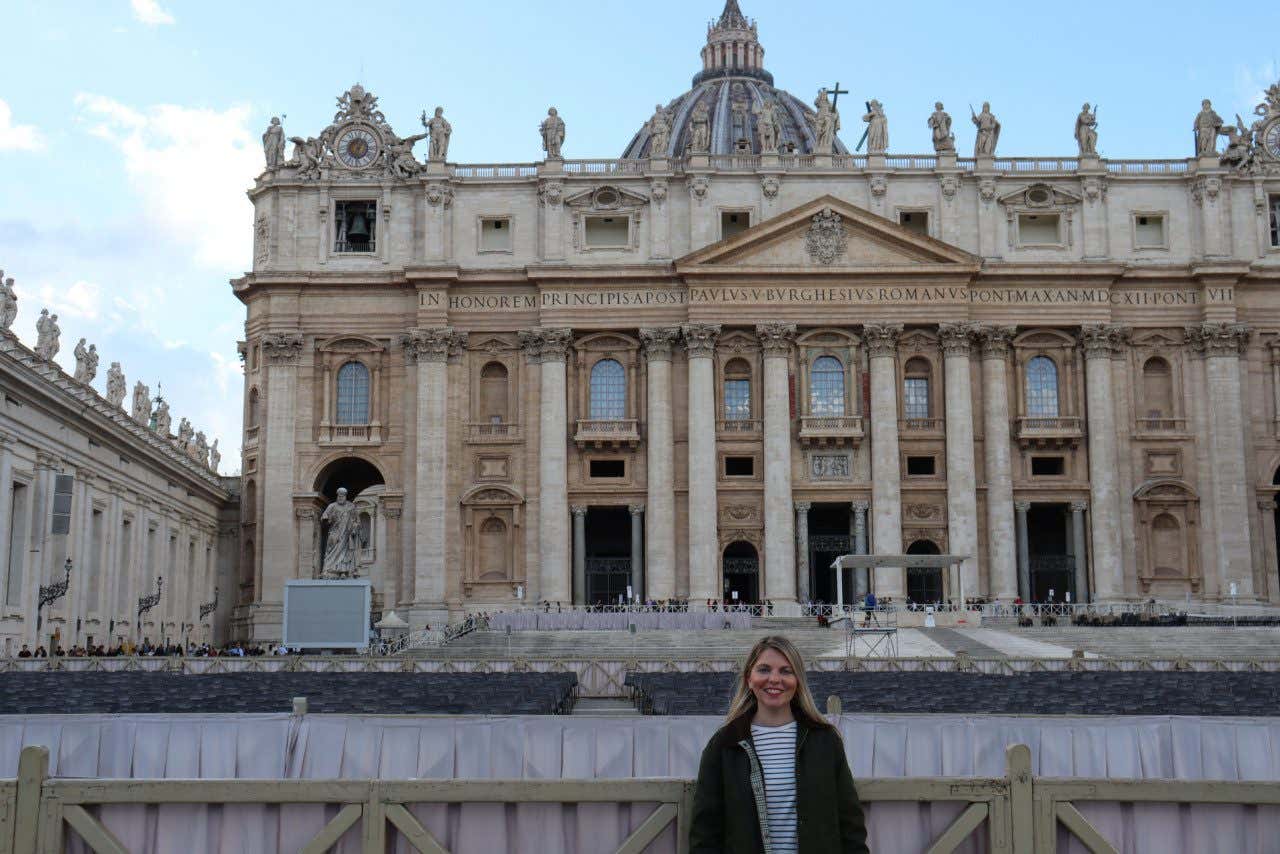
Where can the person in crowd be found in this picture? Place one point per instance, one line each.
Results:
(776, 751)
(868, 608)
(41, 652)
(25, 652)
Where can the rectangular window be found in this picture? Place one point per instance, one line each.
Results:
(608, 468)
(1148, 231)
(95, 559)
(915, 397)
(917, 221)
(921, 466)
(1048, 466)
(354, 226)
(734, 222)
(737, 400)
(739, 466)
(607, 232)
(1275, 221)
(1039, 230)
(18, 527)
(495, 235)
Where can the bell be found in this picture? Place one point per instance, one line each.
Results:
(359, 230)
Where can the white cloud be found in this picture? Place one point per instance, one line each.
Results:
(17, 137)
(82, 300)
(1251, 86)
(191, 166)
(150, 13)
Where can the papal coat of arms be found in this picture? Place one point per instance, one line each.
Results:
(827, 237)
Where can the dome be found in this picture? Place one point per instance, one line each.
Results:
(732, 86)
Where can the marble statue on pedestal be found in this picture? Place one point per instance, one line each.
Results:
(184, 435)
(984, 144)
(343, 541)
(944, 141)
(215, 456)
(826, 123)
(700, 129)
(877, 128)
(439, 129)
(1087, 132)
(8, 302)
(47, 332)
(399, 156)
(141, 403)
(659, 132)
(273, 144)
(201, 448)
(552, 130)
(163, 420)
(307, 154)
(86, 362)
(766, 127)
(1207, 126)
(115, 385)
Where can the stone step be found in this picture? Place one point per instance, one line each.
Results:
(606, 707)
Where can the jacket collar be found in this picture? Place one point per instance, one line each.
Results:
(739, 729)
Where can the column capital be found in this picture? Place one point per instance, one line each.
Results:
(1218, 339)
(804, 506)
(1102, 340)
(578, 510)
(776, 338)
(860, 506)
(881, 339)
(282, 348)
(995, 340)
(956, 338)
(635, 509)
(545, 343)
(1079, 506)
(700, 338)
(658, 342)
(1022, 506)
(432, 344)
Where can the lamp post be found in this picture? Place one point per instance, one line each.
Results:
(208, 608)
(146, 603)
(50, 593)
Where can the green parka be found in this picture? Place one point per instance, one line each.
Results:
(728, 803)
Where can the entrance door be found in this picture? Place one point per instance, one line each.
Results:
(924, 583)
(1052, 568)
(828, 540)
(608, 557)
(741, 573)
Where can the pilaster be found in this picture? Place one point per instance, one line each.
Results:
(1099, 341)
(549, 347)
(962, 500)
(1002, 567)
(779, 530)
(881, 340)
(660, 530)
(704, 562)
(281, 351)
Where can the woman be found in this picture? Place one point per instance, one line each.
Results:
(774, 778)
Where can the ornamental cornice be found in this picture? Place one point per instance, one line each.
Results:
(282, 348)
(881, 338)
(995, 340)
(1218, 339)
(546, 344)
(776, 338)
(956, 339)
(1103, 339)
(658, 342)
(700, 338)
(432, 344)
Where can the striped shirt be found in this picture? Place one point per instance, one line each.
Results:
(776, 747)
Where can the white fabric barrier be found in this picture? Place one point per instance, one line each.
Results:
(619, 620)
(465, 747)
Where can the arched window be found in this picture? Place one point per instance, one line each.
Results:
(1042, 388)
(493, 548)
(253, 407)
(608, 391)
(353, 394)
(493, 393)
(826, 386)
(915, 389)
(737, 390)
(1157, 388)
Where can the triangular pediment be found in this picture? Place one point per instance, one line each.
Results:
(827, 234)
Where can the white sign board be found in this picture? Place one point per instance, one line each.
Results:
(327, 614)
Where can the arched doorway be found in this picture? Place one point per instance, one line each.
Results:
(924, 583)
(741, 573)
(1275, 481)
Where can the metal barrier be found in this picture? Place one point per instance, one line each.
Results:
(1014, 814)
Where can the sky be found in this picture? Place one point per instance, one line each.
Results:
(130, 129)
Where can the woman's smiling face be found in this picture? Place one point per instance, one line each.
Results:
(772, 680)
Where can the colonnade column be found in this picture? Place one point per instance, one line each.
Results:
(700, 341)
(1024, 557)
(1082, 560)
(549, 347)
(962, 484)
(1267, 513)
(861, 577)
(579, 554)
(1002, 566)
(779, 528)
(1222, 344)
(802, 548)
(7, 534)
(881, 340)
(430, 349)
(279, 562)
(637, 551)
(660, 532)
(1099, 341)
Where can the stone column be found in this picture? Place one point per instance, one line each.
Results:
(1104, 491)
(429, 349)
(1002, 567)
(1222, 344)
(282, 351)
(392, 509)
(1082, 559)
(1267, 511)
(802, 549)
(7, 534)
(962, 481)
(861, 577)
(549, 347)
(660, 532)
(779, 531)
(637, 550)
(579, 554)
(886, 472)
(704, 548)
(1024, 558)
(307, 558)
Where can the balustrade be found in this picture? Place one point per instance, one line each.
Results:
(832, 429)
(604, 432)
(739, 426)
(920, 425)
(496, 170)
(1162, 425)
(1045, 432)
(345, 434)
(487, 431)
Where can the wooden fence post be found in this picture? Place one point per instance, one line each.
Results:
(1021, 807)
(33, 769)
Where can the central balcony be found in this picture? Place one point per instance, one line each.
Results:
(1045, 432)
(350, 434)
(607, 433)
(831, 429)
(492, 432)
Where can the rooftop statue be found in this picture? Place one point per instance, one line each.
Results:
(273, 144)
(825, 123)
(215, 456)
(47, 332)
(185, 434)
(8, 302)
(877, 128)
(1239, 151)
(86, 362)
(439, 129)
(944, 141)
(552, 130)
(659, 132)
(343, 542)
(984, 144)
(399, 155)
(307, 155)
(700, 129)
(202, 449)
(163, 420)
(115, 385)
(766, 126)
(1087, 131)
(1207, 127)
(141, 403)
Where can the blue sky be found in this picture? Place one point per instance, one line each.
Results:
(129, 129)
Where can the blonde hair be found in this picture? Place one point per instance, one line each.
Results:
(802, 705)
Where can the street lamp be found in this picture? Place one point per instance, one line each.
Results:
(146, 603)
(50, 593)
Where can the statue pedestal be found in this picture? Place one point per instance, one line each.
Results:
(1208, 163)
(436, 169)
(876, 161)
(770, 161)
(1090, 163)
(699, 161)
(985, 163)
(659, 165)
(551, 166)
(822, 161)
(946, 160)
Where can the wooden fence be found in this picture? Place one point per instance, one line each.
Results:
(1014, 814)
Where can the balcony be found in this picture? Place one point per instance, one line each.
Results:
(1159, 426)
(1044, 432)
(739, 428)
(350, 434)
(921, 428)
(830, 429)
(492, 433)
(607, 433)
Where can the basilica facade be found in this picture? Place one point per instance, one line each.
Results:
(710, 366)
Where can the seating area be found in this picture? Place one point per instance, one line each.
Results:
(1089, 693)
(351, 693)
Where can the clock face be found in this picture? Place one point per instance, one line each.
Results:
(1271, 138)
(357, 148)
